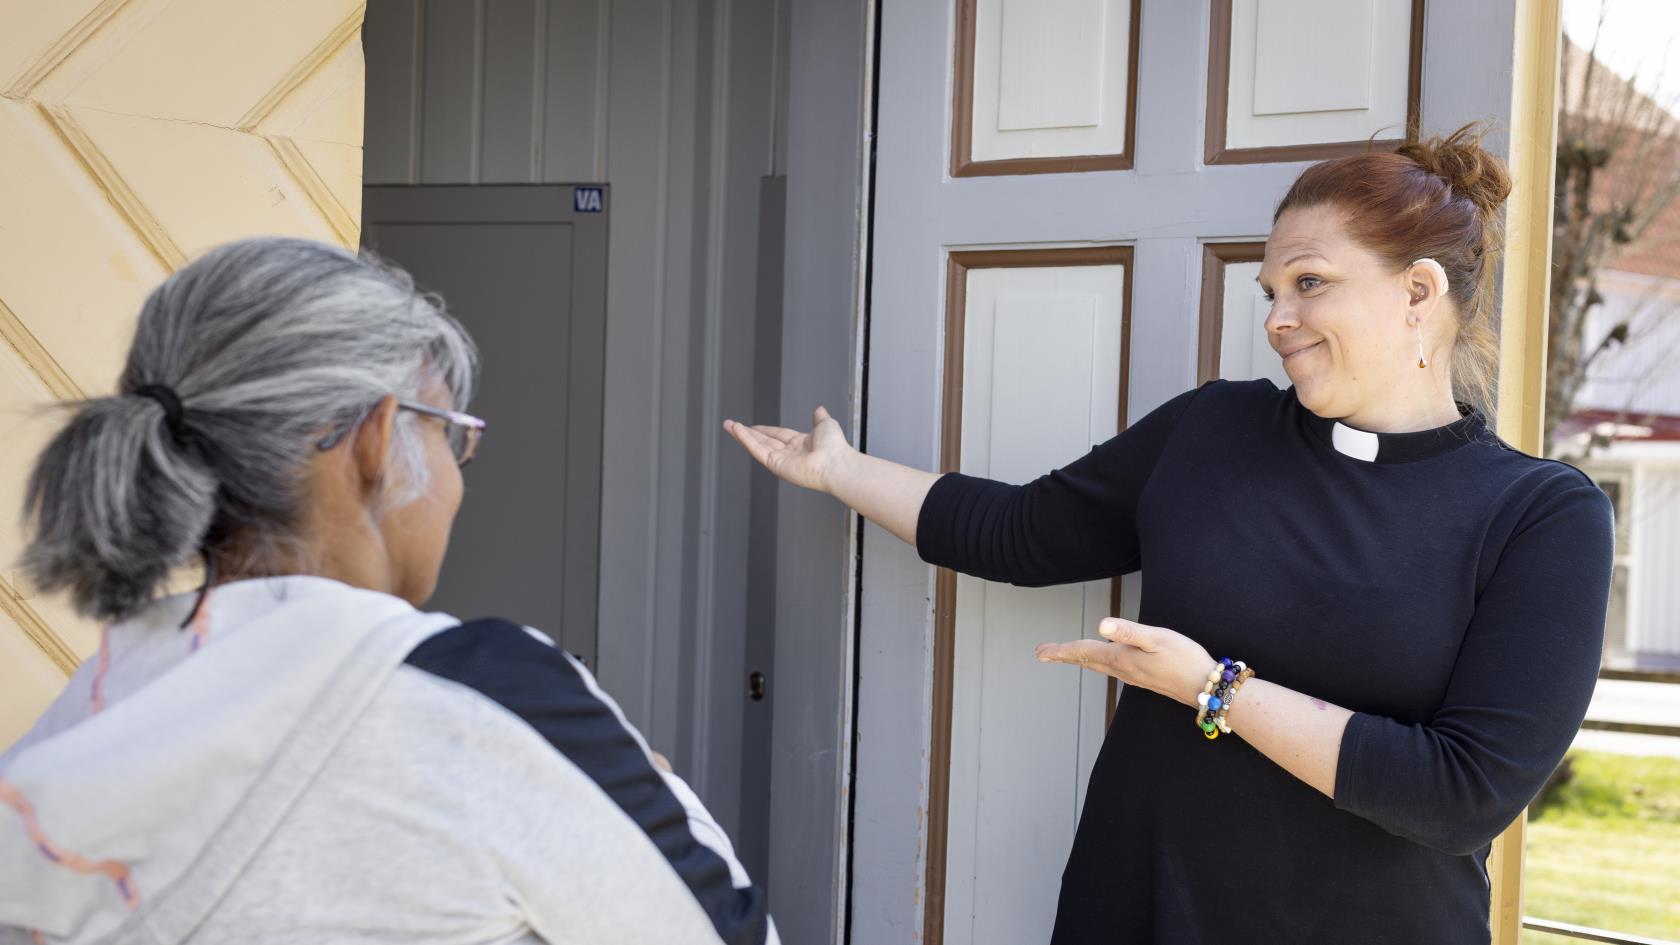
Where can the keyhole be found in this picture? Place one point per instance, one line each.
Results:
(755, 686)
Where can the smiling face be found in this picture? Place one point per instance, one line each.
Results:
(1341, 318)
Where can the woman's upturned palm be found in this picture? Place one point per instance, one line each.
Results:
(800, 458)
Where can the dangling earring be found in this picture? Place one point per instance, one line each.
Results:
(1440, 273)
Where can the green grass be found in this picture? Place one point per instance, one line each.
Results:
(1604, 848)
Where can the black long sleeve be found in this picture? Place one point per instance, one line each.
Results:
(1451, 592)
(1078, 523)
(1518, 691)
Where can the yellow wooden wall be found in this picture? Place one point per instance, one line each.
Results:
(135, 134)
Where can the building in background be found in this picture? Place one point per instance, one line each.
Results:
(1624, 426)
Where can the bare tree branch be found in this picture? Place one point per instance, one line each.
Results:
(1618, 183)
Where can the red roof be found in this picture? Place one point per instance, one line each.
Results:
(1624, 427)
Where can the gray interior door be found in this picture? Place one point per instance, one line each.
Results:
(524, 269)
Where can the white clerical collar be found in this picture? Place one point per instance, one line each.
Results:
(1360, 444)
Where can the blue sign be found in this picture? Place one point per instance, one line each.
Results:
(587, 200)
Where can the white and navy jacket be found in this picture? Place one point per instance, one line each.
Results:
(309, 762)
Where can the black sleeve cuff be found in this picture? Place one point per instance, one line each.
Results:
(935, 532)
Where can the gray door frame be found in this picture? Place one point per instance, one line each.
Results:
(1166, 207)
(828, 109)
(447, 204)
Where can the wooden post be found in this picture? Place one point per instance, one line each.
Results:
(1528, 224)
(1523, 330)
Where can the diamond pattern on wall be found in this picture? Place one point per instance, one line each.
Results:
(136, 134)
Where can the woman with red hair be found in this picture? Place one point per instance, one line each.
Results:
(1406, 611)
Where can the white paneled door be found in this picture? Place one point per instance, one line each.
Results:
(1051, 78)
(1291, 78)
(1233, 344)
(1042, 357)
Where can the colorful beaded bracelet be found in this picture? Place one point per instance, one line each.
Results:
(1206, 700)
(1228, 697)
(1216, 695)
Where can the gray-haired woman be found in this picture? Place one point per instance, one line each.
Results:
(296, 752)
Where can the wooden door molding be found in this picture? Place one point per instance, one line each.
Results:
(1219, 92)
(958, 264)
(962, 113)
(1210, 331)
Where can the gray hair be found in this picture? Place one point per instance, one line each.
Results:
(269, 344)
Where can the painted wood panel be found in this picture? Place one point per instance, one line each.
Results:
(122, 162)
(452, 103)
(499, 91)
(1336, 77)
(1351, 87)
(1300, 80)
(392, 37)
(1041, 384)
(1244, 351)
(1041, 81)
(1233, 342)
(513, 77)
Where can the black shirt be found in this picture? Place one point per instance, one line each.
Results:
(1451, 592)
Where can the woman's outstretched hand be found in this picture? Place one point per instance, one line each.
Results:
(1154, 658)
(886, 493)
(804, 459)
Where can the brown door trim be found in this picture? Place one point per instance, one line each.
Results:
(1219, 91)
(962, 114)
(957, 268)
(1210, 332)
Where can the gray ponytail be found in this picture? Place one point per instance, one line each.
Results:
(269, 344)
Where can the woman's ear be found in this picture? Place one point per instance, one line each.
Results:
(372, 446)
(1426, 286)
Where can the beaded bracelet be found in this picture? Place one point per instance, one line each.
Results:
(1207, 700)
(1228, 697)
(1222, 682)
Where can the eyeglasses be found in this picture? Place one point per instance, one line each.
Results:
(463, 430)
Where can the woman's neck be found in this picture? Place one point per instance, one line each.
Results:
(1406, 414)
(346, 557)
